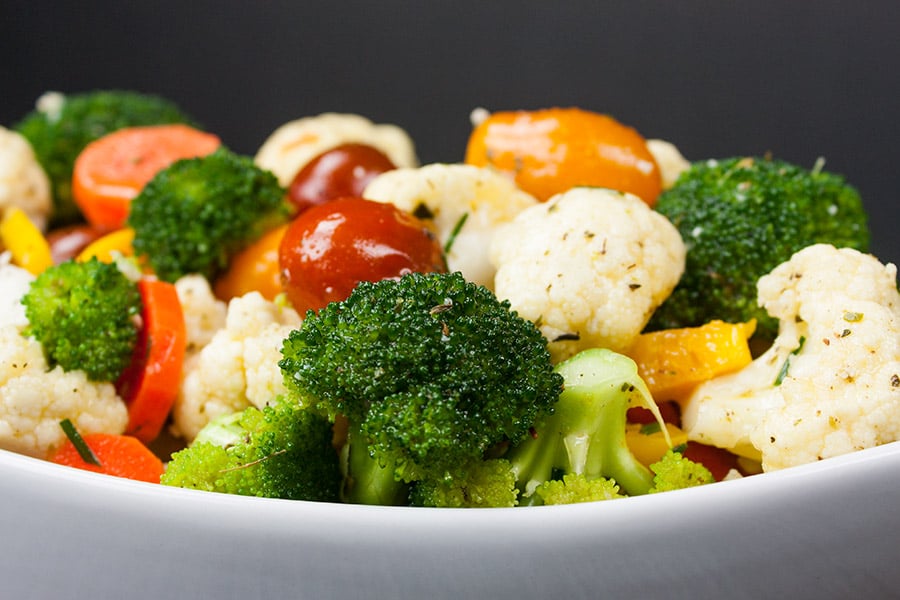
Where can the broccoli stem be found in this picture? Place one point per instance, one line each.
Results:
(367, 481)
(586, 433)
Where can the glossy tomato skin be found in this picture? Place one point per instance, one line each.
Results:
(549, 151)
(330, 248)
(345, 170)
(67, 242)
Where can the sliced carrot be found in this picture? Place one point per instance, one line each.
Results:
(25, 242)
(118, 455)
(254, 269)
(673, 361)
(113, 169)
(150, 384)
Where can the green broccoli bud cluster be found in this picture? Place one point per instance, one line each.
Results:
(430, 370)
(58, 137)
(195, 215)
(85, 315)
(488, 483)
(279, 451)
(674, 471)
(742, 217)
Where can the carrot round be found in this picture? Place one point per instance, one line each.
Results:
(150, 384)
(113, 169)
(118, 455)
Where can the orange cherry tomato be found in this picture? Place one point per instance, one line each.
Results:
(552, 150)
(255, 268)
(345, 170)
(330, 248)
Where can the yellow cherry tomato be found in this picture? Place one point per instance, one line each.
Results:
(551, 150)
(254, 269)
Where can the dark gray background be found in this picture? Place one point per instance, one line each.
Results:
(797, 79)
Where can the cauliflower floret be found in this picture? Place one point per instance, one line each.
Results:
(670, 161)
(23, 182)
(589, 266)
(479, 198)
(204, 314)
(34, 400)
(14, 284)
(830, 384)
(238, 367)
(297, 142)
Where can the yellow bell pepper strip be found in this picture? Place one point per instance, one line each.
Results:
(106, 247)
(673, 361)
(648, 443)
(25, 242)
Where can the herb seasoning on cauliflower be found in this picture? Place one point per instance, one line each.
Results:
(589, 266)
(292, 145)
(465, 203)
(830, 383)
(239, 366)
(23, 182)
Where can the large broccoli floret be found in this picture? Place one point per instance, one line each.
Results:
(585, 435)
(740, 218)
(85, 316)
(195, 215)
(63, 125)
(281, 451)
(430, 370)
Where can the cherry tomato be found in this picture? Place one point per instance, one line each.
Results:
(551, 150)
(68, 242)
(255, 268)
(330, 248)
(342, 171)
(718, 460)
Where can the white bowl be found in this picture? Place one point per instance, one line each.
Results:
(825, 530)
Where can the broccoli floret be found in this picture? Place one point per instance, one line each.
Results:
(585, 435)
(279, 451)
(573, 488)
(481, 484)
(195, 215)
(64, 124)
(674, 472)
(430, 370)
(742, 217)
(85, 315)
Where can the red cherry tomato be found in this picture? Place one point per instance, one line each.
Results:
(68, 242)
(342, 171)
(330, 248)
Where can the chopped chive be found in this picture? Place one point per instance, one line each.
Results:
(650, 428)
(84, 451)
(455, 232)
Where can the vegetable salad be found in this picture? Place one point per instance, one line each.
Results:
(572, 312)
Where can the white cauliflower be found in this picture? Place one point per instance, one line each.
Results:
(239, 366)
(34, 398)
(451, 193)
(830, 384)
(204, 314)
(14, 284)
(292, 145)
(669, 159)
(589, 266)
(23, 182)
